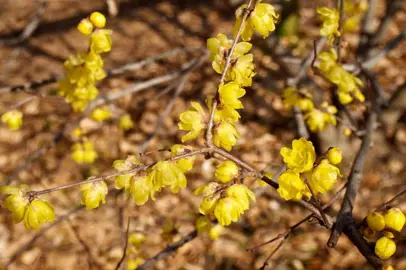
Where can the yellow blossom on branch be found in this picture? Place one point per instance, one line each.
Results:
(301, 157)
(93, 194)
(16, 202)
(186, 164)
(166, 174)
(192, 121)
(301, 98)
(262, 19)
(225, 135)
(323, 177)
(226, 171)
(37, 213)
(13, 118)
(330, 18)
(291, 186)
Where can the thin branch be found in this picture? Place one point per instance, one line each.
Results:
(337, 41)
(125, 244)
(167, 251)
(390, 202)
(247, 12)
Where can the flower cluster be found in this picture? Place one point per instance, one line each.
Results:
(316, 118)
(330, 18)
(354, 11)
(163, 174)
(85, 69)
(262, 19)
(347, 83)
(382, 226)
(135, 241)
(84, 152)
(228, 204)
(304, 175)
(13, 118)
(33, 213)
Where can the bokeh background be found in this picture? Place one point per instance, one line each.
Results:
(143, 29)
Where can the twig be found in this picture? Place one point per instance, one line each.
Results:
(272, 253)
(388, 203)
(90, 259)
(30, 28)
(367, 27)
(337, 41)
(170, 105)
(125, 245)
(169, 250)
(247, 12)
(112, 7)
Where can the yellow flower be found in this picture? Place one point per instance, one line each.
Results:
(242, 71)
(166, 174)
(354, 10)
(228, 210)
(16, 202)
(84, 152)
(223, 113)
(37, 213)
(262, 19)
(98, 19)
(126, 123)
(389, 234)
(225, 135)
(388, 267)
(226, 171)
(241, 194)
(85, 27)
(317, 120)
(186, 164)
(100, 114)
(136, 239)
(141, 189)
(302, 99)
(216, 231)
(301, 157)
(375, 221)
(192, 120)
(385, 248)
(133, 264)
(100, 41)
(124, 180)
(210, 199)
(13, 118)
(291, 186)
(324, 177)
(395, 219)
(330, 18)
(334, 155)
(219, 48)
(230, 94)
(93, 194)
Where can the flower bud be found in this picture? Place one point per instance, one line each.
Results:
(334, 155)
(98, 19)
(85, 27)
(375, 221)
(100, 114)
(385, 248)
(126, 123)
(136, 239)
(226, 171)
(395, 219)
(347, 132)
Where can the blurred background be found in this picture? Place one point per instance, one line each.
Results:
(143, 29)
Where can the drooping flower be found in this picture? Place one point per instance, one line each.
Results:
(317, 120)
(124, 180)
(192, 121)
(93, 194)
(37, 213)
(225, 135)
(230, 94)
(16, 202)
(98, 19)
(301, 157)
(227, 210)
(323, 177)
(141, 189)
(242, 71)
(330, 18)
(291, 186)
(301, 98)
(166, 174)
(226, 171)
(186, 164)
(210, 198)
(242, 194)
(84, 152)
